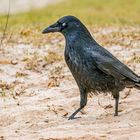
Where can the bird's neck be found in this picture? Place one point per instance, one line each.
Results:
(73, 37)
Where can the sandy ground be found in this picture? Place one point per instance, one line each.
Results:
(23, 5)
(37, 97)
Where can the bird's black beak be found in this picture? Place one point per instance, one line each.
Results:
(52, 28)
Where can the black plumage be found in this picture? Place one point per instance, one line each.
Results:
(93, 67)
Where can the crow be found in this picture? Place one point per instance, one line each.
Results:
(94, 68)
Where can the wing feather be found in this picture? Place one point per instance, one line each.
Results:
(110, 65)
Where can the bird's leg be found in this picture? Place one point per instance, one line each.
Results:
(116, 97)
(71, 117)
(83, 102)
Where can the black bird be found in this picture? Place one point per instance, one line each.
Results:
(92, 66)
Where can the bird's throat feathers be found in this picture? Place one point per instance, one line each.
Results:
(77, 36)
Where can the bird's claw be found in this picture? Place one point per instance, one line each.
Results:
(116, 114)
(71, 117)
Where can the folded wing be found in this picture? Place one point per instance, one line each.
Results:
(110, 65)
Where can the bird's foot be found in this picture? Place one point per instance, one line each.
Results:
(72, 117)
(116, 114)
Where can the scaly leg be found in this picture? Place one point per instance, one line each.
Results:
(83, 102)
(116, 97)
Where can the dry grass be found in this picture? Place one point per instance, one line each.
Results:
(27, 27)
(52, 57)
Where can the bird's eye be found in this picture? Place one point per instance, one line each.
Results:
(64, 24)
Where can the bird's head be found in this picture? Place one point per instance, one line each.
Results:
(66, 25)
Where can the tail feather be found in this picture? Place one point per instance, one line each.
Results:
(137, 85)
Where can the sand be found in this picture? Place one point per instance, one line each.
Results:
(36, 106)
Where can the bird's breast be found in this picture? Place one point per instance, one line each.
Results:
(73, 61)
(78, 65)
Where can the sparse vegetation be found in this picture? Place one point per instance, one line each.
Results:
(103, 12)
(28, 26)
(52, 57)
(12, 89)
(32, 61)
(55, 77)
